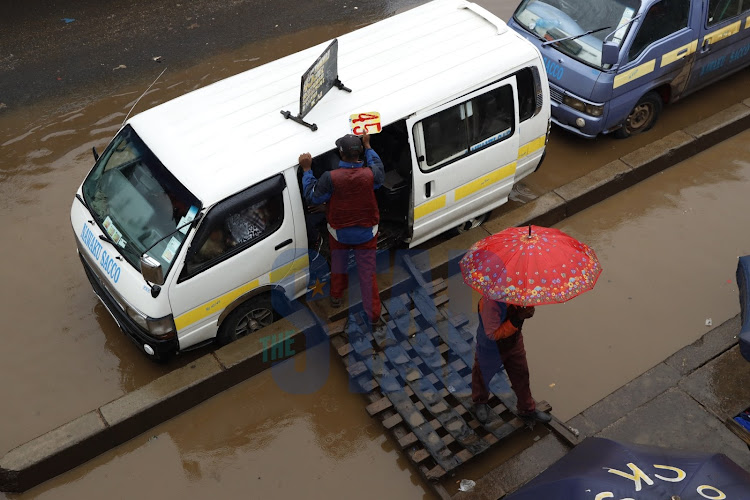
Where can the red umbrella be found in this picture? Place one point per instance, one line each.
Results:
(530, 266)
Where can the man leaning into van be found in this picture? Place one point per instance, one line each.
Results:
(353, 216)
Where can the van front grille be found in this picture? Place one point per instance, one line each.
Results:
(555, 94)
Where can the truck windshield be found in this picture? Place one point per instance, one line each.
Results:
(555, 19)
(137, 201)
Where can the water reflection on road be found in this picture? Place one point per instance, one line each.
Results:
(669, 249)
(254, 441)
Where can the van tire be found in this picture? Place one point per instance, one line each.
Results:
(642, 117)
(248, 318)
(471, 223)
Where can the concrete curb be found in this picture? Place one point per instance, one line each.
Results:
(77, 441)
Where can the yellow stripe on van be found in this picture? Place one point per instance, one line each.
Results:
(532, 146)
(723, 33)
(632, 74)
(429, 207)
(487, 180)
(287, 269)
(683, 52)
(213, 306)
(747, 22)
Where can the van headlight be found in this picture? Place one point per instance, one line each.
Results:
(159, 328)
(583, 107)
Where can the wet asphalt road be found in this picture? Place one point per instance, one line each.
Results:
(77, 50)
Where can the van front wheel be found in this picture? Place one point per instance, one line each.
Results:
(642, 117)
(248, 318)
(472, 223)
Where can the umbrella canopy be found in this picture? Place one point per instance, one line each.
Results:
(530, 266)
(601, 468)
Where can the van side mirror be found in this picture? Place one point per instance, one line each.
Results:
(151, 270)
(610, 53)
(96, 155)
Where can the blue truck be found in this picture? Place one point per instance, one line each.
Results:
(613, 64)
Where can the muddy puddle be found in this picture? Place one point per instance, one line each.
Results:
(669, 249)
(254, 441)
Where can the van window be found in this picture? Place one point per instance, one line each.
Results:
(530, 97)
(662, 19)
(467, 127)
(233, 226)
(138, 202)
(721, 10)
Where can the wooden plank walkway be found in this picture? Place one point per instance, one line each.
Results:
(419, 386)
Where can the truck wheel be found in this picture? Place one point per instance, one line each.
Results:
(248, 318)
(642, 117)
(472, 223)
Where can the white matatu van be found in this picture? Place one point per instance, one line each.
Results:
(193, 214)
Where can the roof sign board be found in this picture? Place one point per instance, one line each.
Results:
(321, 77)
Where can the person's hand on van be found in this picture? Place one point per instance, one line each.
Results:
(305, 161)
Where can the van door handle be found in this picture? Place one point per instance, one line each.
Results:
(428, 189)
(284, 243)
(706, 46)
(682, 52)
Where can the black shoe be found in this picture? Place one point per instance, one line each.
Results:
(535, 416)
(482, 412)
(336, 302)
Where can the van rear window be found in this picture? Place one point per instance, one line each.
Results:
(468, 127)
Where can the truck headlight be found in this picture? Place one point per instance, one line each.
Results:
(583, 107)
(159, 328)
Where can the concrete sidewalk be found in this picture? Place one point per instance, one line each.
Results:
(683, 402)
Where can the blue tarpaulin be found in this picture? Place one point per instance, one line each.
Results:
(601, 468)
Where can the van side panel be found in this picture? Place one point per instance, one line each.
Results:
(724, 45)
(650, 59)
(198, 301)
(467, 184)
(532, 133)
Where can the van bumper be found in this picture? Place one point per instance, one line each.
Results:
(163, 349)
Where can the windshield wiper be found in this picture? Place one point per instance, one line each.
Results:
(80, 198)
(573, 37)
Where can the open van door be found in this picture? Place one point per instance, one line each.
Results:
(465, 153)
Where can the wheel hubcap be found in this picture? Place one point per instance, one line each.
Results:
(254, 321)
(641, 116)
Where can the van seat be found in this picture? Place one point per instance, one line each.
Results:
(393, 181)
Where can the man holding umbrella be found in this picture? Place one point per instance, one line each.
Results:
(515, 271)
(500, 342)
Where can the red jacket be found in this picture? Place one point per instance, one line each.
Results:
(353, 200)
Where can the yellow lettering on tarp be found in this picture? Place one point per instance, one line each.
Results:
(603, 495)
(636, 476)
(680, 473)
(704, 487)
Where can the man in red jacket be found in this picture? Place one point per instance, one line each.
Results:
(500, 342)
(353, 216)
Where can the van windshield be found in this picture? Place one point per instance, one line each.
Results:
(555, 19)
(137, 201)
